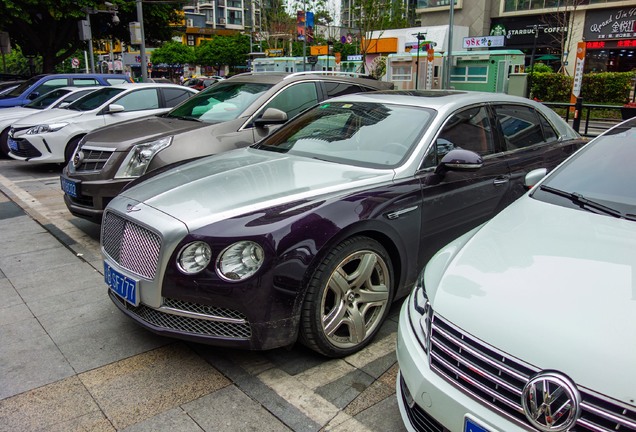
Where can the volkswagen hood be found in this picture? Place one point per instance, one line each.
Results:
(552, 286)
(235, 182)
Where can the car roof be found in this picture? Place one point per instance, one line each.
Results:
(276, 77)
(440, 100)
(127, 86)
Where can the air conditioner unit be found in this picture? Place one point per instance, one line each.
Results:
(221, 20)
(189, 23)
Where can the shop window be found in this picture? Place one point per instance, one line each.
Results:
(401, 73)
(472, 74)
(190, 40)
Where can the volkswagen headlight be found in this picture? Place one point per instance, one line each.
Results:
(194, 257)
(45, 128)
(421, 313)
(140, 156)
(240, 261)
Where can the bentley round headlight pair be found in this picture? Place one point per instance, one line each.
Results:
(237, 262)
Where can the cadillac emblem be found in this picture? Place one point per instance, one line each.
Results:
(551, 402)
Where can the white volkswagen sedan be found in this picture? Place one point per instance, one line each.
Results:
(52, 136)
(529, 321)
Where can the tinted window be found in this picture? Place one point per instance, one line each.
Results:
(520, 126)
(361, 134)
(295, 98)
(139, 100)
(602, 171)
(82, 82)
(338, 89)
(221, 102)
(75, 96)
(23, 87)
(47, 99)
(548, 130)
(95, 99)
(468, 129)
(175, 96)
(115, 81)
(51, 84)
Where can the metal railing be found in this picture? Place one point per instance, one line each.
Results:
(575, 113)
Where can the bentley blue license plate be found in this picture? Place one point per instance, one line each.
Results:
(13, 144)
(123, 286)
(70, 187)
(471, 426)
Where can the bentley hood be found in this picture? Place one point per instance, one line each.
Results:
(232, 183)
(553, 287)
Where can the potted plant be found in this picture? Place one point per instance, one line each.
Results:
(628, 110)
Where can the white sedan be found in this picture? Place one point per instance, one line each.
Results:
(529, 321)
(52, 136)
(54, 99)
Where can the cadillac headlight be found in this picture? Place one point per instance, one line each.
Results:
(240, 261)
(194, 257)
(140, 156)
(421, 313)
(45, 128)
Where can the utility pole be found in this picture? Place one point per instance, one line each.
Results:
(142, 45)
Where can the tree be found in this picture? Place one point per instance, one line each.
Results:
(173, 54)
(376, 16)
(221, 51)
(49, 28)
(564, 19)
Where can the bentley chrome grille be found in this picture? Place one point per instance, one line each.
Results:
(132, 246)
(220, 322)
(497, 380)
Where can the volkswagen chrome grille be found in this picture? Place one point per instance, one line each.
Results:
(497, 380)
(132, 246)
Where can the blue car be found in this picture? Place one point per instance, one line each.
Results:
(41, 84)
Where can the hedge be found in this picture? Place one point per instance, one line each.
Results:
(612, 88)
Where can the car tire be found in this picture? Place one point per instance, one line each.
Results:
(4, 143)
(70, 149)
(348, 298)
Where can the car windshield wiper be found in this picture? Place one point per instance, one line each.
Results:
(186, 118)
(577, 198)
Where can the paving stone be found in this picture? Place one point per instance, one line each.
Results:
(53, 407)
(379, 366)
(8, 294)
(174, 420)
(44, 260)
(28, 358)
(229, 409)
(345, 389)
(383, 416)
(140, 387)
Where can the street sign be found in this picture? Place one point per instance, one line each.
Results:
(578, 73)
(430, 54)
(75, 62)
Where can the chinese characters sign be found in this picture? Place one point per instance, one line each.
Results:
(610, 24)
(483, 42)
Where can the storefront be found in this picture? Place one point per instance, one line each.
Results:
(610, 39)
(545, 34)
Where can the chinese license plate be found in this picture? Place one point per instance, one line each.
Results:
(13, 144)
(471, 426)
(123, 286)
(70, 187)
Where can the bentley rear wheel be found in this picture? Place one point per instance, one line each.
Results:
(348, 298)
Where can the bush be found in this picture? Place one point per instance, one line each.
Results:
(611, 88)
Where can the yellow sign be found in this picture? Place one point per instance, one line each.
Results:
(274, 52)
(319, 50)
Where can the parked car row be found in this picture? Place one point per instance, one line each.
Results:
(276, 208)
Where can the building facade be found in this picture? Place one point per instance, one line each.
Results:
(549, 28)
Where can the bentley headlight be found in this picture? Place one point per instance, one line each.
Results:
(421, 313)
(194, 257)
(240, 261)
(140, 156)
(44, 128)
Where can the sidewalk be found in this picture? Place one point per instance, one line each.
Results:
(70, 361)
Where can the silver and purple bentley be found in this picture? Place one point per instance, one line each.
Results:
(311, 234)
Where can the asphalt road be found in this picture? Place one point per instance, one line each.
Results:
(71, 361)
